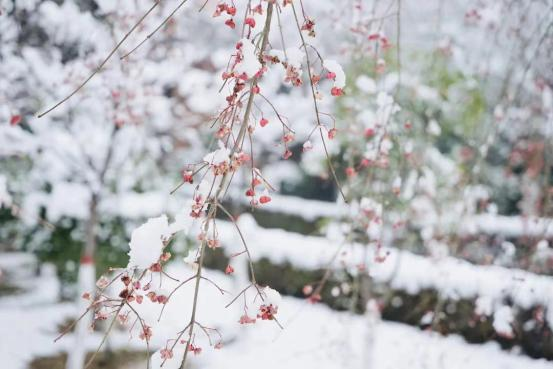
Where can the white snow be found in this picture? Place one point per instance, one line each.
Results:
(502, 319)
(249, 64)
(508, 226)
(146, 243)
(333, 67)
(219, 156)
(453, 278)
(314, 336)
(5, 197)
(308, 209)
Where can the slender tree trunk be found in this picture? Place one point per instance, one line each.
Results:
(86, 281)
(372, 318)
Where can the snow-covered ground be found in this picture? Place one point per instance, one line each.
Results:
(316, 337)
(313, 337)
(120, 162)
(454, 278)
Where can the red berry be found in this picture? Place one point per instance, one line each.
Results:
(250, 22)
(15, 120)
(369, 132)
(263, 122)
(231, 10)
(350, 172)
(187, 176)
(336, 91)
(230, 22)
(258, 9)
(264, 199)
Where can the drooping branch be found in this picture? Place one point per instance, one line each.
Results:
(316, 105)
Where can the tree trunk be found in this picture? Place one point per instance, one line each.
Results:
(372, 318)
(86, 283)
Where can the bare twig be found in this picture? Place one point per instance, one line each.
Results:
(155, 30)
(99, 67)
(104, 338)
(329, 161)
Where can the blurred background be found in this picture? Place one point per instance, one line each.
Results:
(441, 258)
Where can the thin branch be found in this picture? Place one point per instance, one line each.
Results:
(144, 330)
(155, 30)
(171, 294)
(70, 326)
(237, 296)
(329, 161)
(104, 338)
(243, 240)
(221, 290)
(99, 68)
(213, 209)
